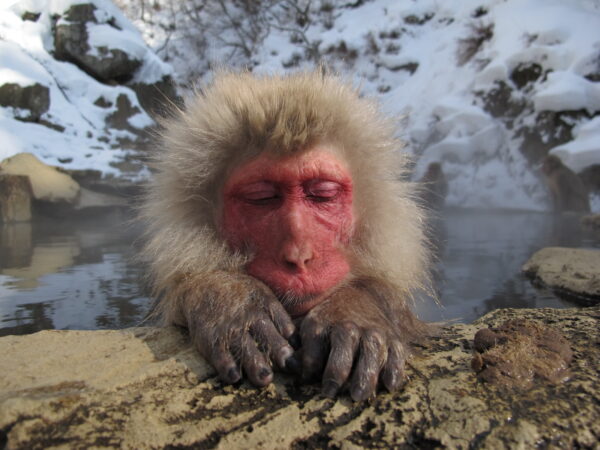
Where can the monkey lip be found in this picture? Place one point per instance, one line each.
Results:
(300, 290)
(300, 307)
(298, 297)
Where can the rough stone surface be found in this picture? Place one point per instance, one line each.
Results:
(120, 118)
(71, 44)
(82, 12)
(520, 352)
(571, 271)
(15, 198)
(34, 98)
(147, 388)
(48, 183)
(157, 98)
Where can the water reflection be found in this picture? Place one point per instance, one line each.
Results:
(80, 275)
(481, 254)
(69, 276)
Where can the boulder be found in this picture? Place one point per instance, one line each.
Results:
(157, 98)
(15, 198)
(123, 112)
(81, 12)
(48, 183)
(71, 42)
(591, 221)
(148, 388)
(55, 191)
(34, 98)
(574, 272)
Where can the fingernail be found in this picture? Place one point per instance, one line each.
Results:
(286, 352)
(358, 394)
(330, 388)
(293, 365)
(289, 331)
(390, 380)
(264, 373)
(233, 375)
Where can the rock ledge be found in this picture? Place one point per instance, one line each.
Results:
(147, 388)
(573, 272)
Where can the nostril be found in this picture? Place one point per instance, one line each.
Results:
(291, 265)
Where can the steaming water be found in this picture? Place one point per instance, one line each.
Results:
(80, 275)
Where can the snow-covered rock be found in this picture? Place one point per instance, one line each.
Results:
(584, 150)
(487, 87)
(69, 78)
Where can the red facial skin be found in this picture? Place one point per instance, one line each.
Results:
(295, 215)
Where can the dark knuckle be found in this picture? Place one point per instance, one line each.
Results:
(374, 337)
(310, 325)
(349, 327)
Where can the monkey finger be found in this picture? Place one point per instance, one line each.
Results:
(344, 343)
(255, 364)
(281, 319)
(393, 373)
(314, 349)
(269, 338)
(370, 361)
(224, 363)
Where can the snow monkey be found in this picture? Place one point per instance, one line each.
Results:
(566, 188)
(280, 235)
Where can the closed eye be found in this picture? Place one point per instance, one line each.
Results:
(260, 193)
(260, 198)
(322, 190)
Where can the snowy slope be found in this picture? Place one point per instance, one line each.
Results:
(73, 132)
(486, 87)
(460, 75)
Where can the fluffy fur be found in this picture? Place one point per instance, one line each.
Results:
(240, 115)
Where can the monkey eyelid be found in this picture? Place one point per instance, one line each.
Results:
(258, 192)
(322, 190)
(262, 199)
(259, 195)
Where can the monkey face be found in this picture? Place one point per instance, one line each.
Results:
(295, 216)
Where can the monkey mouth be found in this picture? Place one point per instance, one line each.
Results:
(299, 305)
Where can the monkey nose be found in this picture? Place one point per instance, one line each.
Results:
(297, 257)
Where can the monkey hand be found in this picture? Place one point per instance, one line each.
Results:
(237, 324)
(353, 331)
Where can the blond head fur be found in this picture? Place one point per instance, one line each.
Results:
(240, 115)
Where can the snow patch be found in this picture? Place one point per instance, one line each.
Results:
(79, 105)
(567, 91)
(584, 150)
